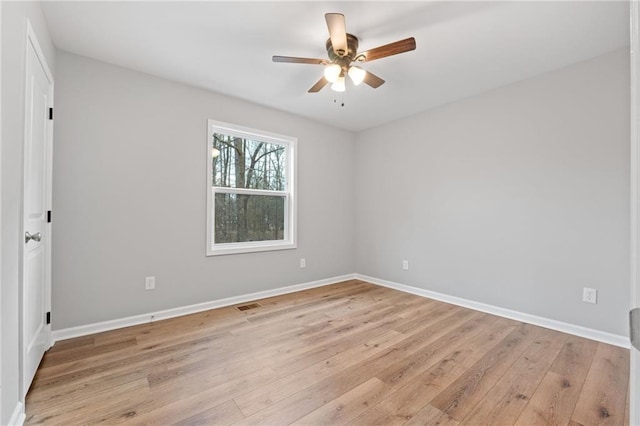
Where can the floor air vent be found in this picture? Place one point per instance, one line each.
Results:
(249, 306)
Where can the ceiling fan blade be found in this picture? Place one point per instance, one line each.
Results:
(319, 85)
(373, 80)
(337, 33)
(294, 60)
(390, 49)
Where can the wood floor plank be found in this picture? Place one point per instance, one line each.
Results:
(59, 357)
(348, 405)
(506, 400)
(418, 316)
(316, 395)
(429, 330)
(92, 404)
(604, 393)
(145, 360)
(174, 403)
(351, 352)
(97, 359)
(344, 295)
(554, 400)
(410, 366)
(408, 400)
(460, 397)
(258, 399)
(224, 414)
(76, 343)
(430, 415)
(340, 337)
(257, 359)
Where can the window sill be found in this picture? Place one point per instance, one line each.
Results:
(239, 248)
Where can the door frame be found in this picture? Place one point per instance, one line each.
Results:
(32, 43)
(634, 370)
(1, 317)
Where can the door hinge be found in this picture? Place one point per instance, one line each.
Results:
(48, 317)
(634, 322)
(48, 216)
(50, 113)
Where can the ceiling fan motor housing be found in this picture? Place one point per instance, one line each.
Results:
(347, 57)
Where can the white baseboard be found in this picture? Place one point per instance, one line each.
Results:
(577, 330)
(83, 330)
(18, 416)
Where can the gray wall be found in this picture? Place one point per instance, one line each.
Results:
(518, 197)
(14, 30)
(129, 196)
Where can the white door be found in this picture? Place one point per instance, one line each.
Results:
(35, 294)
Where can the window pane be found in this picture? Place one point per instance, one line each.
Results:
(241, 218)
(245, 163)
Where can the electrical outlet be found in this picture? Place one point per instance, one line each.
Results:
(303, 263)
(405, 265)
(149, 283)
(589, 295)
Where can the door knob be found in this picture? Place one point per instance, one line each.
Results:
(35, 237)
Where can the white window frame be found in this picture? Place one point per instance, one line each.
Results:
(290, 211)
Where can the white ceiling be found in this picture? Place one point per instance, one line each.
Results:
(463, 48)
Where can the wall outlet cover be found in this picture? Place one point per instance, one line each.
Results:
(149, 283)
(589, 295)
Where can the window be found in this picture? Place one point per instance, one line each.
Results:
(251, 202)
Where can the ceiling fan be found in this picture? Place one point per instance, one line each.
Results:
(342, 49)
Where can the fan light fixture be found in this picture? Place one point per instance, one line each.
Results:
(338, 85)
(342, 50)
(357, 75)
(332, 72)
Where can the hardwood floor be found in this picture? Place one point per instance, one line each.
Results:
(350, 353)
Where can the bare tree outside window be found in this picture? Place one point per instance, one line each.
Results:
(243, 163)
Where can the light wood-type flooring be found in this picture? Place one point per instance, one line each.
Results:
(349, 353)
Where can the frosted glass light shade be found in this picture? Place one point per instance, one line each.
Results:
(357, 75)
(338, 86)
(332, 72)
